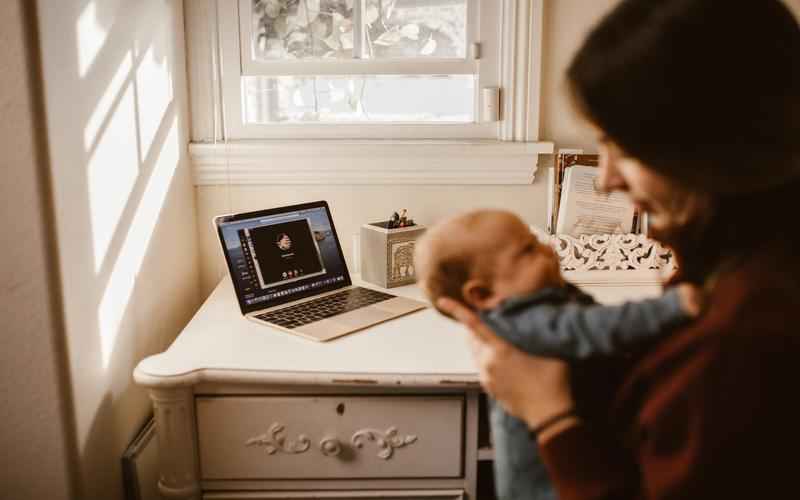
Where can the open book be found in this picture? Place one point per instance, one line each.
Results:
(576, 206)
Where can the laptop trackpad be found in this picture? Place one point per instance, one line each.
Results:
(400, 305)
(343, 324)
(364, 316)
(358, 319)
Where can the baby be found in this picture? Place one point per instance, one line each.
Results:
(491, 262)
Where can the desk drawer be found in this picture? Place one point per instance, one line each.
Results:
(330, 437)
(342, 495)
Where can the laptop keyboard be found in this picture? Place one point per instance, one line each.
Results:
(324, 307)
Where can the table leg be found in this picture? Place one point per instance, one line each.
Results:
(177, 443)
(471, 445)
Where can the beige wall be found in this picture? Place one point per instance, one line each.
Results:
(566, 22)
(115, 96)
(35, 433)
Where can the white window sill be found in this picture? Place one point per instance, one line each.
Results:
(350, 162)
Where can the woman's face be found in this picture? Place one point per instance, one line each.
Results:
(669, 205)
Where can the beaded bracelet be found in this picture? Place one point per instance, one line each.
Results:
(558, 417)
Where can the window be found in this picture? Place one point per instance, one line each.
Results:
(396, 69)
(376, 61)
(364, 91)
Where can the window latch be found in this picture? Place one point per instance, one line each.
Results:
(475, 51)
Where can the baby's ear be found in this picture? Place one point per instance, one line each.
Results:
(477, 294)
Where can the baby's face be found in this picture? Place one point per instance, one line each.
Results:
(522, 265)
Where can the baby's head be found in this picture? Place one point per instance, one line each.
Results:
(482, 258)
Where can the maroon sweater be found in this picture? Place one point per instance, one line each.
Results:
(713, 411)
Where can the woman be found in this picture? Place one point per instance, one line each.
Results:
(697, 107)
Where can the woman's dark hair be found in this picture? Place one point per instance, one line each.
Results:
(706, 92)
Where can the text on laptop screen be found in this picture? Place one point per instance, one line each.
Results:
(277, 256)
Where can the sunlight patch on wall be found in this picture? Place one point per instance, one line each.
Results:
(118, 292)
(91, 38)
(105, 105)
(112, 175)
(154, 87)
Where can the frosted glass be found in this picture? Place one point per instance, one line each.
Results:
(359, 99)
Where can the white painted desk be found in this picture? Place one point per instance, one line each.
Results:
(391, 412)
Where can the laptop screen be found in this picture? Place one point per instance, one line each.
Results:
(283, 254)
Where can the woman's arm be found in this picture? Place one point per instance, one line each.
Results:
(585, 462)
(713, 416)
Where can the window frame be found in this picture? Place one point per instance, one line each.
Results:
(232, 68)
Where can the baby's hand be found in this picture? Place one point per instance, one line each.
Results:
(693, 300)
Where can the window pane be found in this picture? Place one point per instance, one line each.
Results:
(302, 29)
(359, 99)
(416, 28)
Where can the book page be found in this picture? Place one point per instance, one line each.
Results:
(550, 188)
(584, 210)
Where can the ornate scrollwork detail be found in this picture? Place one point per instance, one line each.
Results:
(274, 440)
(387, 441)
(330, 447)
(609, 252)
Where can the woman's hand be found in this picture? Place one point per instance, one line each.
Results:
(693, 299)
(531, 388)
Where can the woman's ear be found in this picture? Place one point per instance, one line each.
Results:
(477, 294)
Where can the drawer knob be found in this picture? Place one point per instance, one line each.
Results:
(330, 447)
(387, 441)
(274, 440)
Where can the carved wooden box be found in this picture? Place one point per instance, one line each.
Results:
(387, 255)
(608, 252)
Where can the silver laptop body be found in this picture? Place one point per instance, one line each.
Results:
(289, 272)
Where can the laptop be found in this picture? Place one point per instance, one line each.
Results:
(288, 272)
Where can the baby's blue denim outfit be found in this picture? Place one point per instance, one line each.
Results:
(565, 323)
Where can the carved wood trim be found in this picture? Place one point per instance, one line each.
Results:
(387, 441)
(609, 252)
(275, 440)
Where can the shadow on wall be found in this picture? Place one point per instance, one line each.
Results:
(115, 98)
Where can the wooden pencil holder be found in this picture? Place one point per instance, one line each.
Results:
(387, 255)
